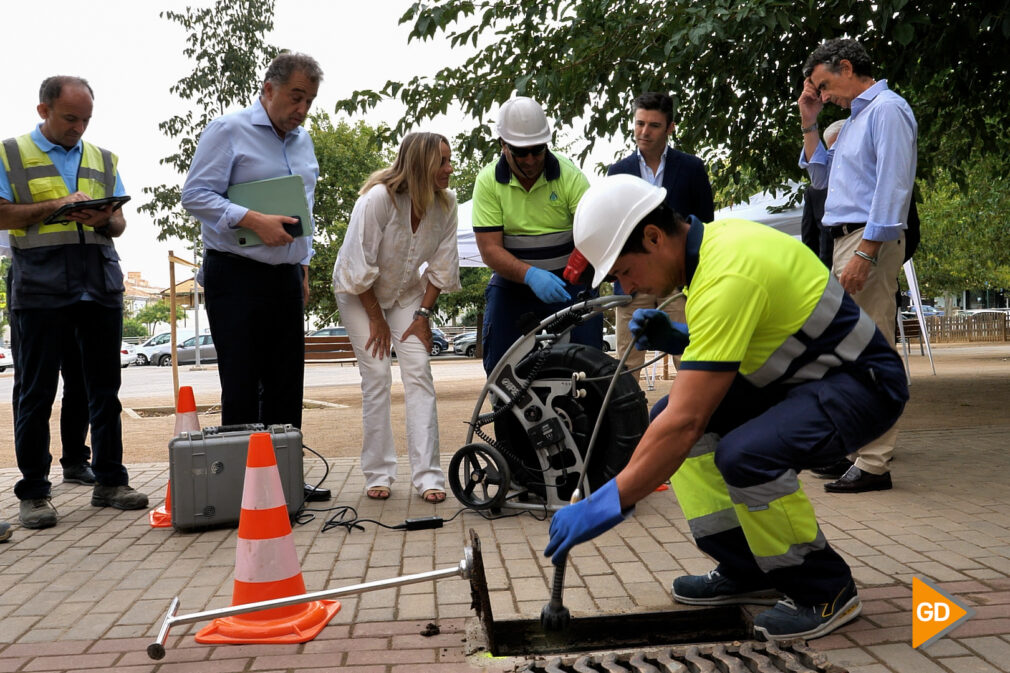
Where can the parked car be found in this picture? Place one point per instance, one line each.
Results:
(336, 330)
(187, 352)
(609, 342)
(127, 355)
(160, 342)
(465, 344)
(927, 311)
(439, 343)
(6, 359)
(986, 311)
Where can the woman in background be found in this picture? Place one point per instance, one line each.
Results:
(404, 218)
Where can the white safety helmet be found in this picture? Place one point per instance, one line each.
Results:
(522, 122)
(606, 216)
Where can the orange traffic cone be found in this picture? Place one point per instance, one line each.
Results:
(185, 421)
(266, 563)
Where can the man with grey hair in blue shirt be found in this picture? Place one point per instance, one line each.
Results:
(868, 174)
(256, 294)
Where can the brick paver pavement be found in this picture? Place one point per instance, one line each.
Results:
(89, 594)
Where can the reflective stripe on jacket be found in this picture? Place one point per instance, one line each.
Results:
(34, 178)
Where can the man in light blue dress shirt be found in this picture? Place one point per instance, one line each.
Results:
(256, 294)
(868, 174)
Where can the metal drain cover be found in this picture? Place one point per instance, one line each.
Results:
(747, 657)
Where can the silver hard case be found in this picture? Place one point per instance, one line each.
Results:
(207, 473)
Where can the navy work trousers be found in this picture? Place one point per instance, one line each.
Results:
(74, 407)
(256, 318)
(43, 336)
(765, 433)
(506, 305)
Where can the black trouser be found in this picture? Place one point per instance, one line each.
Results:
(256, 312)
(43, 336)
(74, 409)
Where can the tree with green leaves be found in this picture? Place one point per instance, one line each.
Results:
(732, 67)
(155, 313)
(964, 231)
(227, 42)
(347, 155)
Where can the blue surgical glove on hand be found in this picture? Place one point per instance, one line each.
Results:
(546, 286)
(584, 520)
(653, 330)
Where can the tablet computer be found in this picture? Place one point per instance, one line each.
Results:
(94, 204)
(274, 196)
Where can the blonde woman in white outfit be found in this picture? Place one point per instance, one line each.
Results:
(404, 218)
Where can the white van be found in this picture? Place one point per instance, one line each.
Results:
(159, 341)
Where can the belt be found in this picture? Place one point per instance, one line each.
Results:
(846, 228)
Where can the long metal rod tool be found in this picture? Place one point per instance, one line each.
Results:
(555, 616)
(156, 650)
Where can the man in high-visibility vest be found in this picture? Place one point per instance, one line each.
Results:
(66, 280)
(781, 372)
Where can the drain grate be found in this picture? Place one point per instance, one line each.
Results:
(747, 657)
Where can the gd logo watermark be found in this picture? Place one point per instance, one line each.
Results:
(935, 613)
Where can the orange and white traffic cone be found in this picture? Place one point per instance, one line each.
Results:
(266, 563)
(185, 421)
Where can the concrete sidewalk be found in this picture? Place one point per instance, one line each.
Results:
(90, 593)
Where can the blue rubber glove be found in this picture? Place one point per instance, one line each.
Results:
(584, 520)
(653, 330)
(546, 286)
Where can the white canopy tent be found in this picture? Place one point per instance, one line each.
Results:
(466, 243)
(756, 210)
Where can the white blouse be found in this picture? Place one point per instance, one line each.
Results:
(381, 252)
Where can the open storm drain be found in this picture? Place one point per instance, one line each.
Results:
(525, 637)
(749, 657)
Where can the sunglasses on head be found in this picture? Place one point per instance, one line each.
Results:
(521, 152)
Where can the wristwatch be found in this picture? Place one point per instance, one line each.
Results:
(808, 129)
(423, 312)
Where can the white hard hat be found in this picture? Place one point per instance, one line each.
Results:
(522, 122)
(606, 216)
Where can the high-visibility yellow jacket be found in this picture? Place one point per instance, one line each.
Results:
(55, 264)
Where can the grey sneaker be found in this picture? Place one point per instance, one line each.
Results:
(5, 531)
(717, 589)
(788, 620)
(120, 497)
(79, 474)
(37, 513)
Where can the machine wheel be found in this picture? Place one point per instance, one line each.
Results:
(165, 360)
(471, 351)
(624, 420)
(479, 476)
(141, 360)
(436, 349)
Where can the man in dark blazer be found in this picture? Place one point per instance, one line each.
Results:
(688, 192)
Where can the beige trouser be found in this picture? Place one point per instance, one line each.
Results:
(877, 298)
(675, 309)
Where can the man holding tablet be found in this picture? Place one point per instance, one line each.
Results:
(256, 288)
(66, 280)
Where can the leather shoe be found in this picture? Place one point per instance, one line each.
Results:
(314, 494)
(833, 470)
(858, 481)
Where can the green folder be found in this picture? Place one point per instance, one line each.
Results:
(275, 196)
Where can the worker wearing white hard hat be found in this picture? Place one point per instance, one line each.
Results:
(523, 207)
(781, 371)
